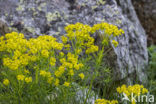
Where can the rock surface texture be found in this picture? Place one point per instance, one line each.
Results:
(146, 11)
(36, 17)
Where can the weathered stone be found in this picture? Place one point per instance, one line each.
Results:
(36, 17)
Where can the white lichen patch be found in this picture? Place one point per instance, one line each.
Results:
(52, 16)
(101, 2)
(94, 7)
(118, 21)
(21, 1)
(40, 7)
(30, 29)
(20, 8)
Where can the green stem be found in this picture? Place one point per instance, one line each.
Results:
(85, 102)
(36, 75)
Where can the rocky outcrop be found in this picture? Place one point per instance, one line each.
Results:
(36, 17)
(146, 11)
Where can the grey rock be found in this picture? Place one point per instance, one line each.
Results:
(36, 17)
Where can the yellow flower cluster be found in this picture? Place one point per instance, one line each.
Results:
(104, 101)
(45, 73)
(57, 81)
(66, 84)
(60, 71)
(115, 43)
(81, 75)
(82, 34)
(45, 53)
(70, 63)
(135, 89)
(22, 55)
(64, 39)
(6, 82)
(28, 79)
(52, 61)
(25, 51)
(92, 49)
(109, 29)
(20, 77)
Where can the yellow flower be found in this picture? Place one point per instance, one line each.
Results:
(50, 80)
(43, 73)
(28, 79)
(81, 65)
(119, 90)
(62, 60)
(33, 58)
(52, 61)
(133, 102)
(144, 90)
(78, 51)
(45, 53)
(66, 84)
(26, 71)
(21, 35)
(57, 81)
(6, 82)
(71, 72)
(60, 71)
(7, 61)
(64, 39)
(81, 75)
(48, 74)
(92, 49)
(20, 77)
(17, 53)
(67, 46)
(135, 89)
(115, 43)
(76, 66)
(114, 102)
(61, 54)
(104, 101)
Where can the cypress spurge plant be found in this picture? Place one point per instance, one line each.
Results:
(42, 70)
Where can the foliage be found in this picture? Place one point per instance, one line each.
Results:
(152, 69)
(44, 70)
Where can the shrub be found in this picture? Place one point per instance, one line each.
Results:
(42, 70)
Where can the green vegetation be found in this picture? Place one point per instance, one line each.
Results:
(152, 69)
(44, 70)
